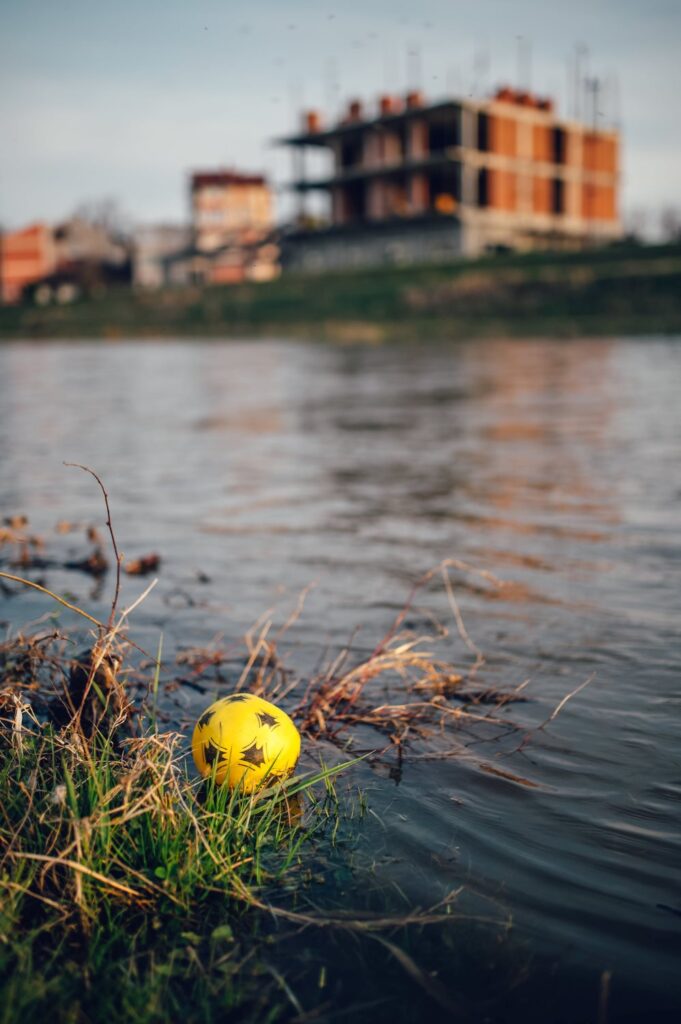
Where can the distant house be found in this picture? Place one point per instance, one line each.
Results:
(57, 264)
(231, 263)
(414, 181)
(80, 240)
(232, 235)
(26, 256)
(153, 244)
(228, 207)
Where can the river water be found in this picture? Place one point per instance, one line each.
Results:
(258, 468)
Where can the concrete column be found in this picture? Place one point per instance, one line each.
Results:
(391, 148)
(418, 193)
(469, 183)
(417, 139)
(371, 149)
(469, 128)
(573, 186)
(469, 143)
(299, 175)
(524, 150)
(337, 210)
(376, 200)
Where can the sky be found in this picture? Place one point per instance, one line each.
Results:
(120, 101)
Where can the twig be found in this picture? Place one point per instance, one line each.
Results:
(79, 611)
(86, 469)
(458, 618)
(50, 593)
(556, 711)
(559, 707)
(75, 866)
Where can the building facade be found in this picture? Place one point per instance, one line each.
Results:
(231, 237)
(229, 207)
(414, 181)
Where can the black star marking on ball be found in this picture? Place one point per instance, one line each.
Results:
(213, 753)
(253, 755)
(266, 719)
(205, 718)
(233, 698)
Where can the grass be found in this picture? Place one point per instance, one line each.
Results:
(632, 289)
(129, 889)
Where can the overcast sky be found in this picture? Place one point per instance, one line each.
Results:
(121, 99)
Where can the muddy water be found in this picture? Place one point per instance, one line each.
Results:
(256, 469)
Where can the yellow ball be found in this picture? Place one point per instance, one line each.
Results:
(244, 738)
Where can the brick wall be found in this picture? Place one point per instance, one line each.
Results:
(25, 256)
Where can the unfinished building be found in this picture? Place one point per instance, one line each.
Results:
(413, 181)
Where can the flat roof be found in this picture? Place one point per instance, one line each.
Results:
(350, 127)
(202, 179)
(322, 138)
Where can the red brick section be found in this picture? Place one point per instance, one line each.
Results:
(502, 189)
(599, 153)
(541, 195)
(542, 147)
(502, 135)
(25, 256)
(598, 202)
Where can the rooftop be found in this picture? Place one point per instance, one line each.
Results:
(203, 179)
(393, 110)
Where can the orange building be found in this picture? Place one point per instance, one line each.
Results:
(26, 256)
(413, 180)
(227, 206)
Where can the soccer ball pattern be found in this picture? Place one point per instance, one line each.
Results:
(245, 740)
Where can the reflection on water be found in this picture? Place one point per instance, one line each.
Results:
(556, 466)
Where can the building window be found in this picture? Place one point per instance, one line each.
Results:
(483, 132)
(351, 152)
(483, 187)
(557, 196)
(442, 134)
(559, 145)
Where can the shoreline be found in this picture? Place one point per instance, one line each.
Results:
(625, 290)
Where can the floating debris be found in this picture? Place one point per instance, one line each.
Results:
(142, 566)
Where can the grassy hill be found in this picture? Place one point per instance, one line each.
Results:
(622, 289)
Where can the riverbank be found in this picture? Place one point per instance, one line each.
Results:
(622, 289)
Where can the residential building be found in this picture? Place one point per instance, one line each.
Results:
(80, 239)
(231, 263)
(232, 237)
(228, 207)
(413, 181)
